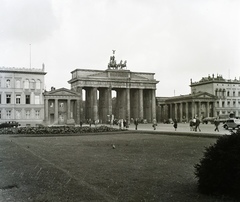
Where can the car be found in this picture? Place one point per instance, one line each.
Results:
(232, 123)
(9, 124)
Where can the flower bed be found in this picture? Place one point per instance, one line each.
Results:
(57, 130)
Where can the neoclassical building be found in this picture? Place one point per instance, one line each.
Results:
(61, 106)
(210, 97)
(21, 97)
(135, 94)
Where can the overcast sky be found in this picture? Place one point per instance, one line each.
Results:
(175, 39)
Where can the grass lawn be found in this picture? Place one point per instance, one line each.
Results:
(142, 167)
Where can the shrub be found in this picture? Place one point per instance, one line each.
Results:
(218, 172)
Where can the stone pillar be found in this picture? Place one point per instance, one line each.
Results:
(170, 111)
(56, 111)
(193, 109)
(127, 112)
(68, 109)
(46, 111)
(207, 110)
(175, 111)
(153, 105)
(187, 117)
(180, 112)
(94, 104)
(140, 91)
(109, 97)
(79, 105)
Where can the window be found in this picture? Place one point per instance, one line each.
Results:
(18, 84)
(223, 103)
(0, 114)
(8, 99)
(38, 84)
(28, 114)
(32, 84)
(27, 99)
(37, 99)
(18, 114)
(8, 83)
(0, 99)
(9, 114)
(37, 114)
(233, 93)
(61, 104)
(18, 99)
(51, 104)
(228, 103)
(26, 84)
(234, 103)
(228, 93)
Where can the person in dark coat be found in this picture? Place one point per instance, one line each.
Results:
(136, 123)
(197, 124)
(175, 124)
(216, 123)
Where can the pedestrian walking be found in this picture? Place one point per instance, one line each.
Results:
(154, 124)
(197, 125)
(175, 124)
(216, 123)
(136, 123)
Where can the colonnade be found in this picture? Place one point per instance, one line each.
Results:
(61, 110)
(185, 110)
(129, 104)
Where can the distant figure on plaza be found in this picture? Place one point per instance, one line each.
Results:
(175, 124)
(81, 123)
(125, 123)
(154, 124)
(90, 122)
(191, 125)
(136, 123)
(216, 123)
(197, 124)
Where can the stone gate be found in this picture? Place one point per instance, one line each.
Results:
(135, 94)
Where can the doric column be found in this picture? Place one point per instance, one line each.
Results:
(153, 105)
(170, 111)
(109, 97)
(94, 104)
(193, 109)
(180, 111)
(187, 118)
(127, 113)
(175, 111)
(140, 91)
(79, 105)
(46, 111)
(68, 109)
(56, 111)
(207, 110)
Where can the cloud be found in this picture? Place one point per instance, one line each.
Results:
(27, 20)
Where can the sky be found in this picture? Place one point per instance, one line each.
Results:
(178, 40)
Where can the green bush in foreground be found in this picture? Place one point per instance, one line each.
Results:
(218, 172)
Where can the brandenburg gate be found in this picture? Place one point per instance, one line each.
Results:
(135, 93)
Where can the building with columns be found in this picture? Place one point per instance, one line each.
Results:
(227, 92)
(185, 107)
(21, 97)
(210, 97)
(61, 106)
(135, 94)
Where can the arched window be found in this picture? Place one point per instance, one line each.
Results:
(18, 84)
(26, 84)
(38, 84)
(32, 84)
(8, 83)
(228, 93)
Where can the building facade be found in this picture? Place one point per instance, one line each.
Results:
(227, 92)
(21, 96)
(135, 94)
(61, 107)
(210, 97)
